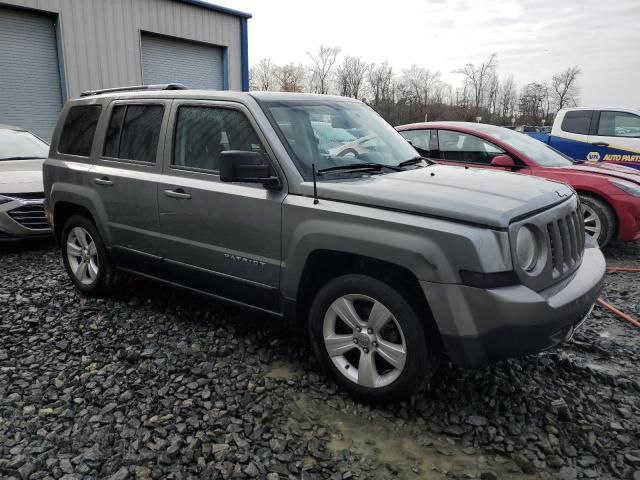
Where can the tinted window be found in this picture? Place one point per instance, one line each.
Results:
(133, 132)
(619, 124)
(203, 133)
(577, 121)
(461, 147)
(424, 141)
(79, 129)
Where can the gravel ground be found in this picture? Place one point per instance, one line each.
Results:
(158, 383)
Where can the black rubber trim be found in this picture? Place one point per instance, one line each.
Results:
(489, 280)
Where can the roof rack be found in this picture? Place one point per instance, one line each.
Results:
(164, 86)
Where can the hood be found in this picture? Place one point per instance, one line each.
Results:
(486, 197)
(21, 176)
(609, 170)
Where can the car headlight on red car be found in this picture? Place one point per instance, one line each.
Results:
(629, 187)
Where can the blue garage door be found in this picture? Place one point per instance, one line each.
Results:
(30, 95)
(170, 60)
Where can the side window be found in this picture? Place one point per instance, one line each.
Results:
(619, 124)
(79, 129)
(577, 121)
(461, 147)
(424, 141)
(203, 133)
(133, 133)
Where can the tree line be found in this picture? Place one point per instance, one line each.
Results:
(416, 93)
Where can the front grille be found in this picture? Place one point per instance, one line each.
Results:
(30, 216)
(26, 196)
(566, 240)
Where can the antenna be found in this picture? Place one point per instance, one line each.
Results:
(315, 188)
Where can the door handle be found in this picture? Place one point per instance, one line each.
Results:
(103, 181)
(177, 193)
(600, 144)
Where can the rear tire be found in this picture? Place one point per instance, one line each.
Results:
(85, 257)
(599, 220)
(380, 351)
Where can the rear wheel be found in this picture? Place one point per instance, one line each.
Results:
(369, 339)
(599, 220)
(85, 257)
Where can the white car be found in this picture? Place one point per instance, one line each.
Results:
(21, 190)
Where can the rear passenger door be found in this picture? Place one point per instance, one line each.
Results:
(223, 238)
(125, 175)
(573, 139)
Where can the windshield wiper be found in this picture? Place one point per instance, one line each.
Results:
(414, 161)
(22, 158)
(359, 166)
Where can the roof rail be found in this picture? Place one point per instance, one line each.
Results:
(164, 86)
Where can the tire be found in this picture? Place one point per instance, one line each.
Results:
(387, 381)
(89, 256)
(600, 221)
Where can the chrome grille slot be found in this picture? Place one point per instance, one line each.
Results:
(566, 240)
(30, 216)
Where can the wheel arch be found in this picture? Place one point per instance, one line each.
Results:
(590, 193)
(323, 265)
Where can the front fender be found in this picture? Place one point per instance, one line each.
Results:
(432, 249)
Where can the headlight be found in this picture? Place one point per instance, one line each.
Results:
(526, 249)
(4, 199)
(630, 188)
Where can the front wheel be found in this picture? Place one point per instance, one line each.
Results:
(599, 220)
(369, 339)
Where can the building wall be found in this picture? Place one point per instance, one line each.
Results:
(100, 39)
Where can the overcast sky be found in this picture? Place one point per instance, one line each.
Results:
(533, 38)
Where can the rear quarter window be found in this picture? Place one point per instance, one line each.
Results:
(577, 121)
(79, 129)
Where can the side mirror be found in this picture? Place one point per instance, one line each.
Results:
(246, 167)
(504, 161)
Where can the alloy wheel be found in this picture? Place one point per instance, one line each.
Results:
(364, 340)
(82, 255)
(592, 222)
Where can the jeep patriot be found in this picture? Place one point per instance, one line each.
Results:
(313, 208)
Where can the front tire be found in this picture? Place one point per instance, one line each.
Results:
(85, 257)
(369, 339)
(599, 220)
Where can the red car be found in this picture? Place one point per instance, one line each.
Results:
(610, 194)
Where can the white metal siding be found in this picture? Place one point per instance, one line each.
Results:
(169, 60)
(101, 38)
(30, 95)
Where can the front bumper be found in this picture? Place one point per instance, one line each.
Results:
(628, 212)
(23, 218)
(479, 326)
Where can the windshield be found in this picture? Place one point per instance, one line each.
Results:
(332, 133)
(537, 151)
(21, 145)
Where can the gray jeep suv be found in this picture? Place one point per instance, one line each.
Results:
(388, 259)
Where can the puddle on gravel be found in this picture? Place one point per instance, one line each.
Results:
(427, 457)
(281, 371)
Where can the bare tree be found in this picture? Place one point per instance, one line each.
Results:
(350, 76)
(420, 83)
(323, 61)
(477, 76)
(379, 77)
(564, 88)
(263, 75)
(533, 99)
(290, 77)
(508, 98)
